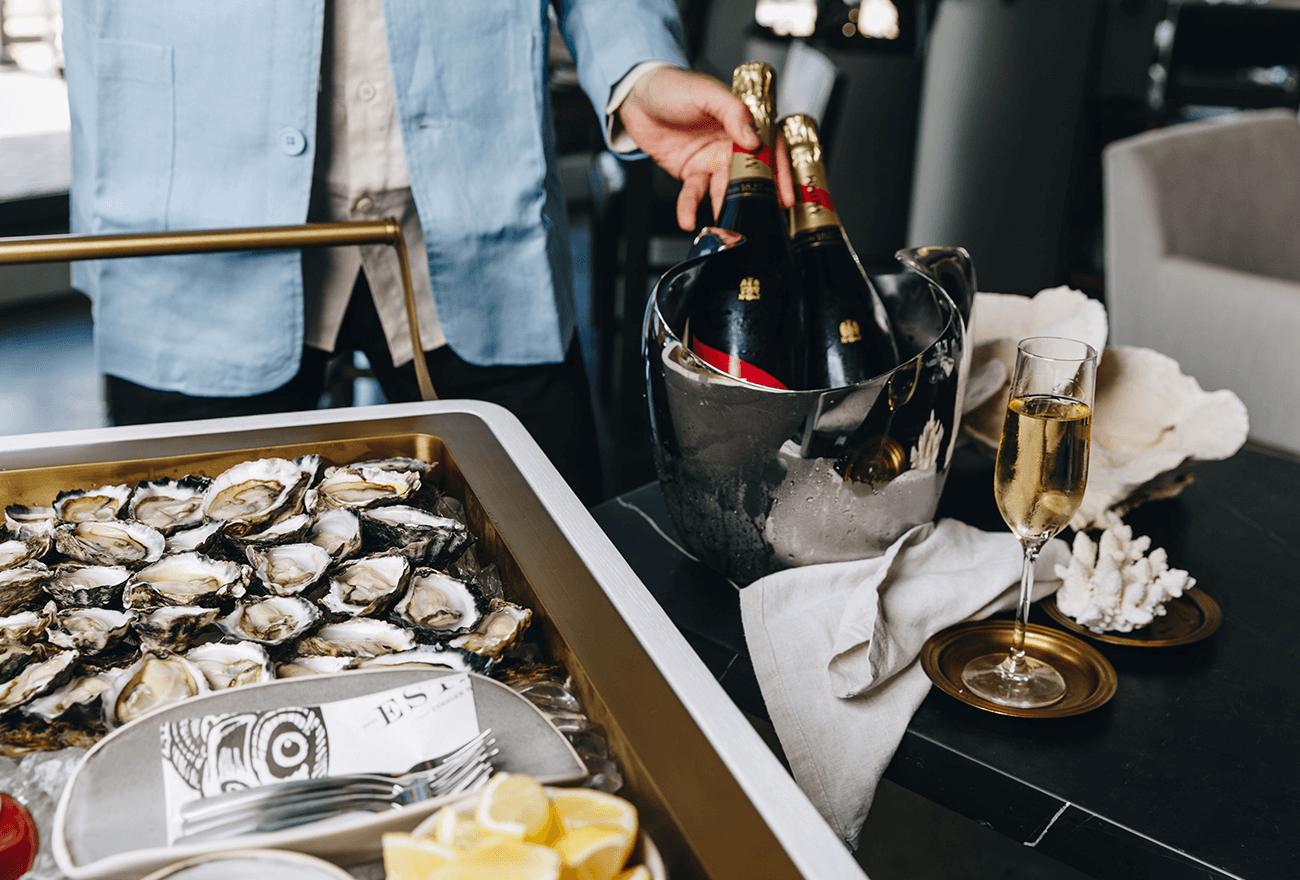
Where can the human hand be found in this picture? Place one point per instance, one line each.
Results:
(687, 122)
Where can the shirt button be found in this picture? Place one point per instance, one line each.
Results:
(364, 205)
(292, 141)
(366, 91)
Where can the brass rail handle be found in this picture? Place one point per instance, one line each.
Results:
(58, 248)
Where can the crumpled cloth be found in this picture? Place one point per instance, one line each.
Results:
(836, 649)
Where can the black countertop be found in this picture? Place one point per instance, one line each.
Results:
(1189, 771)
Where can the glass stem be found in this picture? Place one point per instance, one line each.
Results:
(1015, 666)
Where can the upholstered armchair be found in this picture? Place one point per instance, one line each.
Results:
(1203, 257)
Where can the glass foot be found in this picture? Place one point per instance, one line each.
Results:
(989, 677)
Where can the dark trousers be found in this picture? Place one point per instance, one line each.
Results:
(551, 400)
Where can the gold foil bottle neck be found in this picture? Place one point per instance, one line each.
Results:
(813, 208)
(754, 83)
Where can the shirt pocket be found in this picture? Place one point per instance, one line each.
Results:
(135, 125)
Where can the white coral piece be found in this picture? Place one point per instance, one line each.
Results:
(926, 451)
(1113, 584)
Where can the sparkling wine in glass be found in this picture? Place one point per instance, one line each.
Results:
(1038, 481)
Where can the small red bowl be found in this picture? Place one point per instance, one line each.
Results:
(19, 840)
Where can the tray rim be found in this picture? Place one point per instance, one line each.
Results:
(1203, 601)
(792, 820)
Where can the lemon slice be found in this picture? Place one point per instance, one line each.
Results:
(594, 852)
(515, 805)
(500, 859)
(579, 807)
(407, 857)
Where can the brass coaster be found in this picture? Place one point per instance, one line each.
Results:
(1189, 618)
(1089, 678)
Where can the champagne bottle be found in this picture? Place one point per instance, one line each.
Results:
(745, 312)
(848, 331)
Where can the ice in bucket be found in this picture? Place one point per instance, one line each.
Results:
(757, 479)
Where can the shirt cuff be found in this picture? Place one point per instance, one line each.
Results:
(615, 134)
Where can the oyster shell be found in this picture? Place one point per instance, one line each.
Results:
(27, 627)
(82, 695)
(200, 539)
(253, 493)
(110, 542)
(363, 487)
(362, 637)
(290, 529)
(168, 505)
(173, 627)
(153, 681)
(499, 630)
(37, 679)
(271, 621)
(91, 505)
(20, 586)
(17, 552)
(337, 532)
(185, 579)
(441, 604)
(289, 569)
(90, 630)
(87, 585)
(227, 664)
(433, 655)
(316, 665)
(15, 656)
(29, 522)
(368, 586)
(419, 535)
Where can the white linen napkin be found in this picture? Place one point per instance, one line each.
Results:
(836, 649)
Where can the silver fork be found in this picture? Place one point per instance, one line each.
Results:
(283, 805)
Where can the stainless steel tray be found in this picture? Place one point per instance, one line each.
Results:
(709, 790)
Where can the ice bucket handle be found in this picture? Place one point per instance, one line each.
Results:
(59, 248)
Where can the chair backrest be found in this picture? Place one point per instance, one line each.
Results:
(1225, 191)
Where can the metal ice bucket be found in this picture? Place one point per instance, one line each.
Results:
(758, 480)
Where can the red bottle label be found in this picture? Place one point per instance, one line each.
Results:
(813, 195)
(734, 366)
(762, 154)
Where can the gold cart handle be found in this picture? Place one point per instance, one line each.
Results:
(60, 248)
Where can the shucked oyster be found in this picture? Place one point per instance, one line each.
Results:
(363, 637)
(420, 536)
(20, 586)
(290, 529)
(111, 542)
(17, 552)
(91, 505)
(37, 679)
(316, 665)
(29, 522)
(185, 579)
(198, 539)
(227, 664)
(87, 586)
(365, 487)
(271, 621)
(90, 630)
(499, 630)
(149, 683)
(172, 627)
(368, 586)
(337, 532)
(169, 505)
(441, 604)
(433, 655)
(27, 627)
(83, 695)
(253, 493)
(289, 569)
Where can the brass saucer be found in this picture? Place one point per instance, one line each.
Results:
(1189, 618)
(1089, 678)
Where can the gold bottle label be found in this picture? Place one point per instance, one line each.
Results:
(754, 83)
(850, 331)
(749, 290)
(813, 208)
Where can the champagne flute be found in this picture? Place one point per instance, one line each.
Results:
(1038, 482)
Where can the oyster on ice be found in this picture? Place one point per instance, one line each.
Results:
(285, 530)
(441, 604)
(433, 655)
(316, 665)
(27, 627)
(173, 627)
(90, 630)
(231, 664)
(185, 579)
(499, 630)
(368, 586)
(82, 695)
(288, 569)
(153, 681)
(362, 637)
(253, 493)
(17, 552)
(199, 539)
(25, 522)
(87, 586)
(20, 586)
(337, 532)
(362, 487)
(110, 542)
(37, 679)
(169, 505)
(91, 505)
(419, 535)
(271, 621)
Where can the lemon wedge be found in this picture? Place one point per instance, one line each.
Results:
(594, 852)
(499, 859)
(407, 857)
(579, 807)
(515, 805)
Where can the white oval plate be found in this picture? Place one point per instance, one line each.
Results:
(110, 822)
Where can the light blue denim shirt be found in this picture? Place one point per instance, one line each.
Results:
(189, 115)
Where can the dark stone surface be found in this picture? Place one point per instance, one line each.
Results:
(1191, 770)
